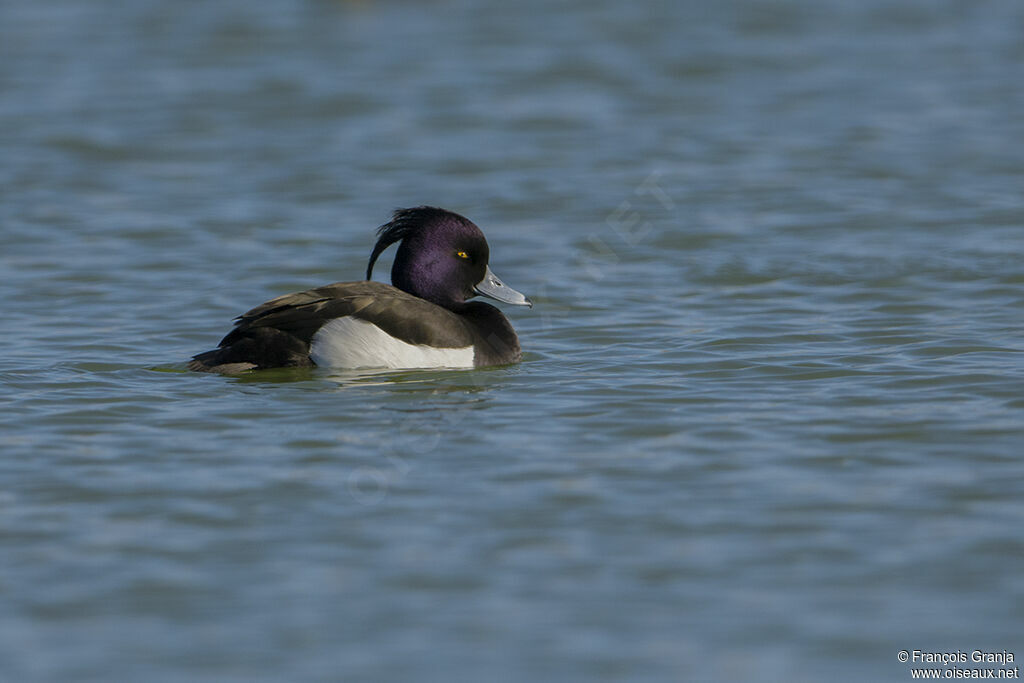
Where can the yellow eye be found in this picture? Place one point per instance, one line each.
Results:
(462, 254)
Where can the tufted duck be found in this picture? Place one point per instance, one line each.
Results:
(423, 321)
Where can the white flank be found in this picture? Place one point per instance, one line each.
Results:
(353, 343)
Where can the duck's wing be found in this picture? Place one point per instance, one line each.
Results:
(279, 332)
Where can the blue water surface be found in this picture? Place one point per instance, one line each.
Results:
(769, 421)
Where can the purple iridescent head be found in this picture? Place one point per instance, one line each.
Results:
(442, 258)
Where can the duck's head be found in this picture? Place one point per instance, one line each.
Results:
(442, 258)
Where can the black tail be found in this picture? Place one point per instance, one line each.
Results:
(254, 349)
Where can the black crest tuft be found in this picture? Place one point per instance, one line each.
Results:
(405, 222)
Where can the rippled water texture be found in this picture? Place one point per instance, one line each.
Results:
(769, 421)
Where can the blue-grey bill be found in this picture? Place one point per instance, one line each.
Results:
(494, 288)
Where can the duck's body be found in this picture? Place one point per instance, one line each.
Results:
(424, 322)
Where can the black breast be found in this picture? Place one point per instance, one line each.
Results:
(494, 340)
